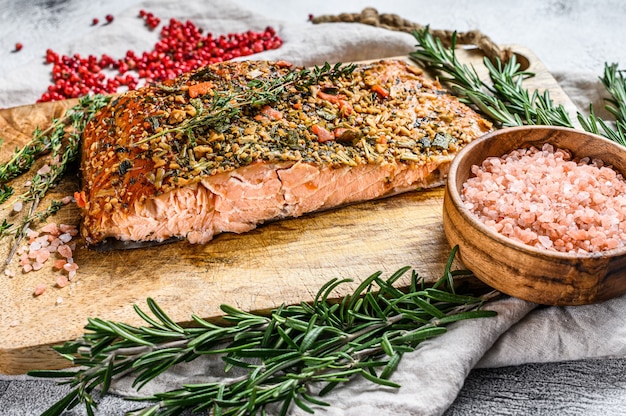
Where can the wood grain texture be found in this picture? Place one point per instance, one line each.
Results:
(280, 262)
(532, 274)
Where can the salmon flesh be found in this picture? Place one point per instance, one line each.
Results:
(153, 168)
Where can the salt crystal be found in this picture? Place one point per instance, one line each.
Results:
(62, 281)
(547, 216)
(42, 256)
(58, 264)
(65, 228)
(66, 238)
(51, 228)
(65, 251)
(39, 289)
(44, 170)
(545, 241)
(17, 207)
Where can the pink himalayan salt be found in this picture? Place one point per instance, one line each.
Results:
(62, 281)
(51, 228)
(55, 239)
(39, 289)
(58, 264)
(65, 251)
(546, 199)
(69, 229)
(31, 234)
(44, 170)
(65, 237)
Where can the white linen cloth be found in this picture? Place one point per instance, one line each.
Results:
(432, 376)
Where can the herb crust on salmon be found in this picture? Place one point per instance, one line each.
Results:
(232, 145)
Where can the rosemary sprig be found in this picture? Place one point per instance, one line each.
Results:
(327, 342)
(226, 105)
(507, 102)
(615, 84)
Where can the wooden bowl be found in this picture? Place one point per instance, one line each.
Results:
(514, 268)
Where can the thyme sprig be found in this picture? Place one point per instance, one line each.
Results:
(505, 99)
(64, 141)
(52, 137)
(226, 105)
(61, 142)
(281, 354)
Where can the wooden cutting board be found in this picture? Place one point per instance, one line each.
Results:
(281, 262)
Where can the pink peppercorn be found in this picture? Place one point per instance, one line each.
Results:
(182, 47)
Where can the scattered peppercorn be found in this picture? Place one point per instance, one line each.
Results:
(95, 21)
(150, 19)
(109, 18)
(18, 46)
(181, 48)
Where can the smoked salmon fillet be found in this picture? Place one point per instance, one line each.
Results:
(169, 161)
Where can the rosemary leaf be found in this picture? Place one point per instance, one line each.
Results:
(281, 353)
(615, 83)
(507, 102)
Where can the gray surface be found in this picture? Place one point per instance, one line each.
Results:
(589, 387)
